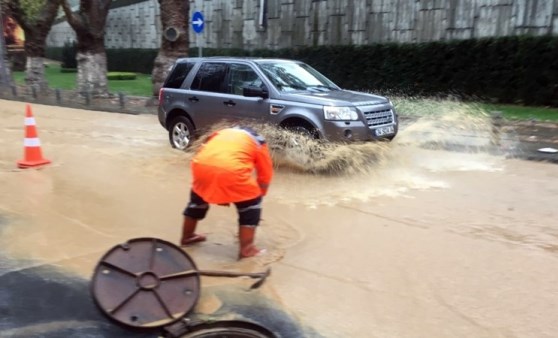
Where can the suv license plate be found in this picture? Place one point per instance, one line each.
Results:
(384, 131)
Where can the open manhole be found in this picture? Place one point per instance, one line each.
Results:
(228, 330)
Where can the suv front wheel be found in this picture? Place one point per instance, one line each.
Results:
(303, 130)
(181, 133)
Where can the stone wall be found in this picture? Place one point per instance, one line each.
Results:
(290, 23)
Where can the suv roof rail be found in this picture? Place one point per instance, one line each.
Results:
(224, 57)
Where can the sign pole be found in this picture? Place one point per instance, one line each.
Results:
(197, 26)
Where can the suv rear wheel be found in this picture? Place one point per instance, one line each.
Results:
(181, 133)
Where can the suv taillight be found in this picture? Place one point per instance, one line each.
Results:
(160, 95)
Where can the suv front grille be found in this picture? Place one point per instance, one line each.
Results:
(378, 117)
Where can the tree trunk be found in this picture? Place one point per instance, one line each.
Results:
(36, 30)
(174, 16)
(89, 25)
(35, 67)
(92, 73)
(35, 73)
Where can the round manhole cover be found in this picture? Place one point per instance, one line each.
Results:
(146, 282)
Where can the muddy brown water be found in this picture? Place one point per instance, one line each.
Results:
(413, 243)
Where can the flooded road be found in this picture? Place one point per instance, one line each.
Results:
(419, 242)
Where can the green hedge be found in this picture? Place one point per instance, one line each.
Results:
(118, 60)
(507, 70)
(131, 60)
(519, 69)
(121, 76)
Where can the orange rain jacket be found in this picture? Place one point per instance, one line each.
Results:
(234, 165)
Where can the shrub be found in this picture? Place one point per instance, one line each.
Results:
(54, 53)
(69, 52)
(121, 76)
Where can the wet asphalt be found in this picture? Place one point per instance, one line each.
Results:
(42, 301)
(39, 300)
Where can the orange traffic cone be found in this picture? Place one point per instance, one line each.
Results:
(32, 146)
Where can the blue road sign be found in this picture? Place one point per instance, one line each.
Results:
(197, 22)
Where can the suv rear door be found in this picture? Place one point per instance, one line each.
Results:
(205, 98)
(216, 94)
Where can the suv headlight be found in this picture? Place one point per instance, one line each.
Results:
(340, 113)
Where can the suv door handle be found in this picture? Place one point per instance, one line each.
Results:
(193, 99)
(229, 103)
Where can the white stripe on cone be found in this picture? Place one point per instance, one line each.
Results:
(29, 121)
(32, 142)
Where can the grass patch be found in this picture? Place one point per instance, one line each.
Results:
(141, 86)
(55, 78)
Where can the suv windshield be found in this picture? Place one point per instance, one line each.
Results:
(294, 76)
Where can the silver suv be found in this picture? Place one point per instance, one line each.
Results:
(199, 92)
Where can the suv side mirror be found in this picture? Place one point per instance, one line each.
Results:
(255, 92)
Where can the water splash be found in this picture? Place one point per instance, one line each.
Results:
(441, 124)
(299, 153)
(456, 126)
(435, 136)
(292, 151)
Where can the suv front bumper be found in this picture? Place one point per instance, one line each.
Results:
(356, 131)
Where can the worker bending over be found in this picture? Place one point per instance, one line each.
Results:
(233, 166)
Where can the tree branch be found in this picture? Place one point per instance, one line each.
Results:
(74, 20)
(48, 14)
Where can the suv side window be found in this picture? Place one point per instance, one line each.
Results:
(178, 75)
(210, 77)
(242, 75)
